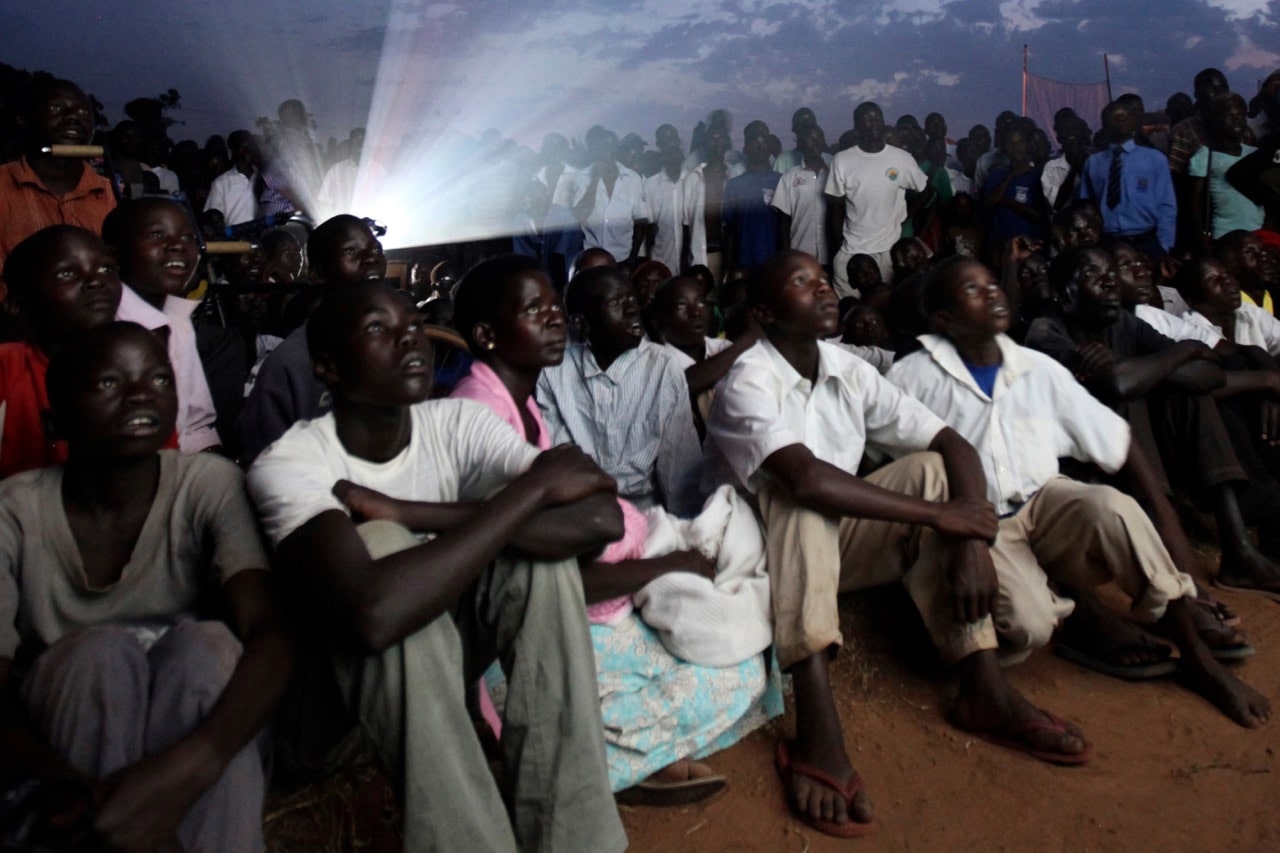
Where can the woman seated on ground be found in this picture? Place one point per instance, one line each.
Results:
(660, 713)
(113, 568)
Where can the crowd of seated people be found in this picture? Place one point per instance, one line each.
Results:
(593, 485)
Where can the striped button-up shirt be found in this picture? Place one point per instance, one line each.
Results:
(634, 419)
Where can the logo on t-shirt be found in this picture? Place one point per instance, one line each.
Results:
(891, 173)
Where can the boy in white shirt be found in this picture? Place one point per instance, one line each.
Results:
(1022, 411)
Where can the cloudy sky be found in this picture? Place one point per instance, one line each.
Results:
(416, 66)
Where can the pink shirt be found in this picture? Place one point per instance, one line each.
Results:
(196, 416)
(483, 386)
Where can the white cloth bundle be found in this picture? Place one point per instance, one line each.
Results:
(713, 624)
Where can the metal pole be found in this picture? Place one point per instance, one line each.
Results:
(1106, 67)
(1024, 79)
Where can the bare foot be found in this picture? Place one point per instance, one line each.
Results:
(1229, 694)
(1009, 717)
(1248, 569)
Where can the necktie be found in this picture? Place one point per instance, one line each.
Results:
(1114, 179)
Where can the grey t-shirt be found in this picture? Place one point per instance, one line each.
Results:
(199, 532)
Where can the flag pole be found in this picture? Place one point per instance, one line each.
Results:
(1106, 67)
(1024, 79)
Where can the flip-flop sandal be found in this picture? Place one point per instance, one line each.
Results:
(788, 769)
(1014, 738)
(1138, 672)
(1270, 590)
(1220, 611)
(680, 793)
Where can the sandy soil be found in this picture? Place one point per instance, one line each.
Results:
(1169, 773)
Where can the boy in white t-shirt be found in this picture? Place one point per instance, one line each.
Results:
(415, 621)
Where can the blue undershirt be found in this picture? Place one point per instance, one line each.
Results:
(984, 376)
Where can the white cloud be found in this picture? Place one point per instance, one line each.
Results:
(1241, 8)
(1192, 42)
(1020, 15)
(1249, 55)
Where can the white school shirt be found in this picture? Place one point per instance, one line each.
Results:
(873, 187)
(1038, 413)
(1254, 327)
(1177, 328)
(801, 195)
(763, 405)
(693, 206)
(196, 415)
(232, 193)
(662, 197)
(459, 450)
(612, 221)
(714, 346)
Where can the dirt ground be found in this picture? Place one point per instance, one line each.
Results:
(1169, 772)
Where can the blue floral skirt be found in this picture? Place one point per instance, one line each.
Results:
(658, 709)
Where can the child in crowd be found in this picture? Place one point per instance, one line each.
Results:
(1021, 410)
(159, 253)
(1216, 207)
(1013, 197)
(792, 419)
(623, 399)
(342, 251)
(864, 275)
(113, 566)
(681, 316)
(660, 712)
(1253, 265)
(908, 257)
(645, 279)
(750, 222)
(801, 200)
(412, 621)
(62, 283)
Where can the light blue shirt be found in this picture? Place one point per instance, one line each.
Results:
(1147, 202)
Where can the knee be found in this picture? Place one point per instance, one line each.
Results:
(201, 654)
(1112, 508)
(927, 476)
(105, 663)
(103, 655)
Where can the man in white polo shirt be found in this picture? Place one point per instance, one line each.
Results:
(873, 178)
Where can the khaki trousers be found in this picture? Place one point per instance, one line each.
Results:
(812, 558)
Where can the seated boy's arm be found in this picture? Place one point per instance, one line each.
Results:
(825, 488)
(704, 375)
(554, 533)
(1183, 365)
(379, 602)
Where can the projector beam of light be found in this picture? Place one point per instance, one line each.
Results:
(422, 172)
